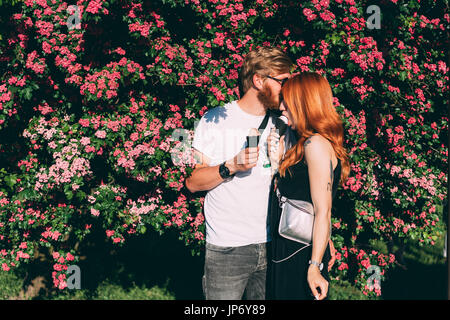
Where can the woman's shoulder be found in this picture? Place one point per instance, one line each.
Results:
(317, 143)
(317, 146)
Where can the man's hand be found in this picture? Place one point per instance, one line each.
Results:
(244, 160)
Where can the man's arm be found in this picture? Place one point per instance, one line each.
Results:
(206, 177)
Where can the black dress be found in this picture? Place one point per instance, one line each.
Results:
(288, 279)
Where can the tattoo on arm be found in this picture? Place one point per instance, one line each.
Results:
(331, 172)
(330, 184)
(308, 141)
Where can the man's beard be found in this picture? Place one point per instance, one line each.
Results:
(267, 99)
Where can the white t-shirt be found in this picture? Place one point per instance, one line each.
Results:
(236, 211)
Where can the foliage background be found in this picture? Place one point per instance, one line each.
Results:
(90, 120)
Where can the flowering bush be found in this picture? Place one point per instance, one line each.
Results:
(93, 104)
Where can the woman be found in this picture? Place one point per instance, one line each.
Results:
(310, 170)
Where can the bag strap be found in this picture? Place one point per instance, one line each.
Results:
(263, 124)
(278, 261)
(281, 199)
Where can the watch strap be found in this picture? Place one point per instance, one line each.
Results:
(224, 171)
(317, 264)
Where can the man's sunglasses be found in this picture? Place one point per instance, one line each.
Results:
(280, 81)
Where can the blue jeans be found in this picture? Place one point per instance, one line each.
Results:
(231, 271)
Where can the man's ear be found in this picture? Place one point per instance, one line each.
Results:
(258, 81)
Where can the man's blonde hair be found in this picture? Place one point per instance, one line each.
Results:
(263, 61)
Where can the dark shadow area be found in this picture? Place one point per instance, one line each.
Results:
(416, 281)
(163, 260)
(182, 23)
(147, 260)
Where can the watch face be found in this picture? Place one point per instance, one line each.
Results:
(224, 172)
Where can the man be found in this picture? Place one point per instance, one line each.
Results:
(238, 180)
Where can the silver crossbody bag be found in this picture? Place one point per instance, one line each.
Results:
(297, 219)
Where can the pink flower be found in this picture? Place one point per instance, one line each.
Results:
(93, 7)
(219, 39)
(134, 136)
(337, 71)
(120, 51)
(84, 122)
(357, 80)
(366, 263)
(100, 134)
(95, 212)
(12, 80)
(21, 82)
(309, 14)
(343, 266)
(327, 16)
(85, 141)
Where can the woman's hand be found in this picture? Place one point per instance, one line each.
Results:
(332, 253)
(315, 279)
(275, 147)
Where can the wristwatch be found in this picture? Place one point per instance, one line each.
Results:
(224, 171)
(318, 265)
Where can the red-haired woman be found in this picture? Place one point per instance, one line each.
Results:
(311, 164)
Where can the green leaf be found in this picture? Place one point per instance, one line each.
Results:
(11, 180)
(81, 195)
(28, 93)
(69, 194)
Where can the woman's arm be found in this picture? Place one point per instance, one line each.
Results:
(320, 170)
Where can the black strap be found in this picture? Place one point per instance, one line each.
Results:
(263, 124)
(261, 128)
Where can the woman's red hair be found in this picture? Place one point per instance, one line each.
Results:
(309, 99)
